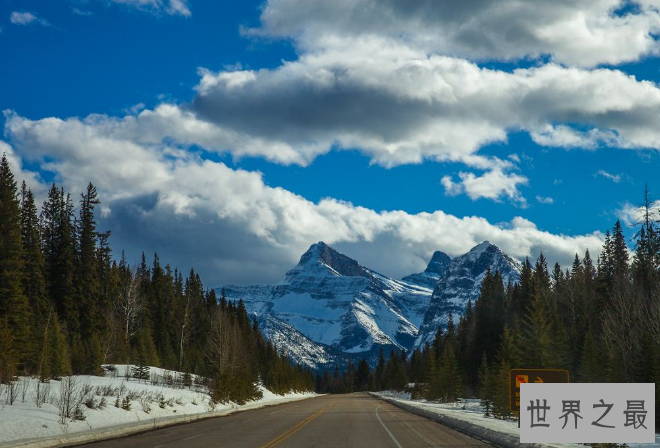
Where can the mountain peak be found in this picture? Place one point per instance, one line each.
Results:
(461, 282)
(437, 266)
(321, 256)
(485, 246)
(439, 262)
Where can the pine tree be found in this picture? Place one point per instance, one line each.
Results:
(86, 274)
(485, 386)
(44, 354)
(619, 254)
(94, 356)
(450, 382)
(34, 285)
(380, 371)
(60, 362)
(467, 355)
(538, 321)
(59, 255)
(433, 381)
(362, 375)
(13, 302)
(522, 296)
(501, 398)
(8, 353)
(417, 367)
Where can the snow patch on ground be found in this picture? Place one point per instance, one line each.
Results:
(24, 420)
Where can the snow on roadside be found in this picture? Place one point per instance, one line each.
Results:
(468, 410)
(148, 402)
(471, 411)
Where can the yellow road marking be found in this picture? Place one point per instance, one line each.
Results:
(290, 432)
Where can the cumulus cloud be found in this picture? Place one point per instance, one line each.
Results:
(228, 223)
(32, 179)
(572, 32)
(26, 18)
(399, 105)
(171, 7)
(494, 185)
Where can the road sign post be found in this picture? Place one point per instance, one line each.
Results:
(518, 376)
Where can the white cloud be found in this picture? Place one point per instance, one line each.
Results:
(544, 200)
(155, 192)
(563, 136)
(32, 179)
(494, 185)
(399, 105)
(573, 32)
(171, 7)
(632, 215)
(616, 178)
(26, 18)
(179, 7)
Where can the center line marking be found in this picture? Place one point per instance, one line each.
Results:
(396, 442)
(295, 429)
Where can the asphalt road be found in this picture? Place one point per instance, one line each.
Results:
(337, 421)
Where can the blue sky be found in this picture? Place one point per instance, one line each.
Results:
(256, 128)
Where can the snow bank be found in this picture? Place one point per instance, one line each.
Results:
(467, 417)
(150, 406)
(472, 414)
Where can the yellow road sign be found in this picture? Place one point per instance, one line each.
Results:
(518, 376)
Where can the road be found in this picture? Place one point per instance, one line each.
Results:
(338, 421)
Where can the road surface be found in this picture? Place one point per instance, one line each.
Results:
(337, 421)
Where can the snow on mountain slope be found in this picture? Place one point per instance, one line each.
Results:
(335, 305)
(330, 308)
(297, 346)
(461, 282)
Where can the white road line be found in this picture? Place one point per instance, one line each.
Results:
(396, 442)
(277, 412)
(246, 420)
(192, 437)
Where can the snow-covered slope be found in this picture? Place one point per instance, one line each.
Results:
(461, 282)
(151, 403)
(436, 267)
(329, 306)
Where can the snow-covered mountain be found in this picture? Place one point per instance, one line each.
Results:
(329, 306)
(460, 282)
(436, 267)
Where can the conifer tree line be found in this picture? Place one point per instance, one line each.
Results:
(599, 319)
(67, 307)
